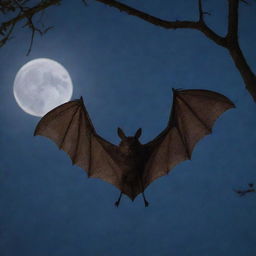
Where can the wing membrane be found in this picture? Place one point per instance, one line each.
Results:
(70, 127)
(192, 117)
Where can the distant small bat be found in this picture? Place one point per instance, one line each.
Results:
(132, 166)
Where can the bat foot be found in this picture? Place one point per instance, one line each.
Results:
(118, 200)
(146, 203)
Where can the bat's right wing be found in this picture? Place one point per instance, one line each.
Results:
(192, 117)
(70, 127)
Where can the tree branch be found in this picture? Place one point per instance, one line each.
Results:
(149, 18)
(199, 25)
(212, 35)
(245, 191)
(232, 34)
(201, 12)
(25, 13)
(6, 35)
(240, 62)
(235, 51)
(230, 41)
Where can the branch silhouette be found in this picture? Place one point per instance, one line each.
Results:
(245, 191)
(229, 41)
(24, 12)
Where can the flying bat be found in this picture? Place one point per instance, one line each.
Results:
(131, 166)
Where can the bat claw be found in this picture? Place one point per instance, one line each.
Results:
(146, 203)
(118, 200)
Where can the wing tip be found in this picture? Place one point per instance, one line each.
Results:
(187, 91)
(175, 91)
(36, 133)
(232, 105)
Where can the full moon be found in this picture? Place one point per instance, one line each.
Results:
(41, 85)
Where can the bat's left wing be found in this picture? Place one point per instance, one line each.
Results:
(70, 127)
(192, 117)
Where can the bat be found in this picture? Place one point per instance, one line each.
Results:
(131, 166)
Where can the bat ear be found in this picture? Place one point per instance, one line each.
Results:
(120, 133)
(138, 133)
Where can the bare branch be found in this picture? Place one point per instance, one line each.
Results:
(245, 191)
(199, 25)
(201, 12)
(6, 36)
(149, 18)
(244, 2)
(31, 11)
(34, 30)
(212, 35)
(84, 2)
(232, 34)
(31, 42)
(25, 13)
(230, 41)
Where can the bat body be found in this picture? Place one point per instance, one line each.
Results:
(132, 166)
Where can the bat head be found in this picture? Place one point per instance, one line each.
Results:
(129, 143)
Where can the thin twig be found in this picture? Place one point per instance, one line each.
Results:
(245, 191)
(7, 36)
(201, 12)
(25, 13)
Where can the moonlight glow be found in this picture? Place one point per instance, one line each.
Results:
(41, 85)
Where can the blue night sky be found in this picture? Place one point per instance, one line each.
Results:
(125, 69)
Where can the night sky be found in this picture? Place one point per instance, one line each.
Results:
(125, 68)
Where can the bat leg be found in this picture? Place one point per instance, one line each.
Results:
(118, 201)
(145, 201)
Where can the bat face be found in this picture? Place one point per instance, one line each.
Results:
(129, 144)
